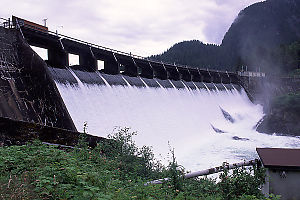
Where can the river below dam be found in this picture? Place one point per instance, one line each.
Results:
(204, 126)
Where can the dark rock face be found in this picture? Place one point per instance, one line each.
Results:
(280, 123)
(27, 92)
(217, 130)
(227, 116)
(284, 116)
(239, 138)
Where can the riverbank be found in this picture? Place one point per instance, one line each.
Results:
(115, 171)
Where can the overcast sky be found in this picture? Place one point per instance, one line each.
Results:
(143, 27)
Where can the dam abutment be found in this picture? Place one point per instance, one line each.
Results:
(28, 92)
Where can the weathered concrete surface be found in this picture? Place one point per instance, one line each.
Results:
(14, 132)
(282, 182)
(262, 90)
(27, 92)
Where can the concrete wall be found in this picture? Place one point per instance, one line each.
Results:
(27, 93)
(283, 182)
(263, 89)
(13, 132)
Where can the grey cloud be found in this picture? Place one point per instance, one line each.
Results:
(148, 27)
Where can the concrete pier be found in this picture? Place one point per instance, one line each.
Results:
(116, 62)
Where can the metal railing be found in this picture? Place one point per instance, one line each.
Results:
(251, 74)
(6, 23)
(61, 36)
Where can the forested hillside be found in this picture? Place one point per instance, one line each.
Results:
(265, 35)
(192, 53)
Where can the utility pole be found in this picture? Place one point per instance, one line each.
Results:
(58, 27)
(45, 21)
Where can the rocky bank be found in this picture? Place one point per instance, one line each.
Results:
(283, 116)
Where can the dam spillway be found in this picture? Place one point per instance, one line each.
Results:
(189, 119)
(204, 115)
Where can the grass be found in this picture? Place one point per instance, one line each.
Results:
(114, 170)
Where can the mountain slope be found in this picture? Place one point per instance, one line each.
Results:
(254, 39)
(258, 31)
(191, 53)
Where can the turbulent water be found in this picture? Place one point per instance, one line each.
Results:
(205, 127)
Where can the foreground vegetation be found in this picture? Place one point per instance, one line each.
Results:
(112, 170)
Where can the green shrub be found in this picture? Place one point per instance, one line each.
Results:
(117, 169)
(242, 181)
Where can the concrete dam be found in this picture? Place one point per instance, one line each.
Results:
(205, 115)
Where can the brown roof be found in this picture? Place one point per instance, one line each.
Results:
(279, 157)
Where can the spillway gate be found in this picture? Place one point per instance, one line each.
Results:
(115, 62)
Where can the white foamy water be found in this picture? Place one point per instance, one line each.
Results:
(182, 117)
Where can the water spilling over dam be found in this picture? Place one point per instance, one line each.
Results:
(204, 115)
(206, 124)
